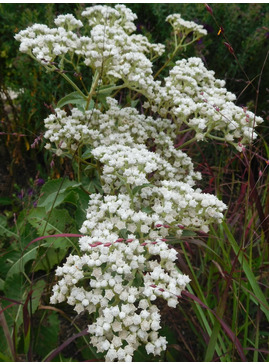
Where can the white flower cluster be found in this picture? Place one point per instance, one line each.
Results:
(131, 165)
(120, 128)
(185, 27)
(192, 96)
(148, 184)
(127, 317)
(45, 43)
(153, 212)
(120, 16)
(148, 197)
(110, 48)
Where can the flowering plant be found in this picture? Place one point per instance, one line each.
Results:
(147, 192)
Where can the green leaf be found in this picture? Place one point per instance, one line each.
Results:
(5, 358)
(87, 153)
(102, 99)
(47, 335)
(15, 289)
(2, 283)
(4, 230)
(72, 198)
(137, 189)
(134, 103)
(147, 210)
(54, 192)
(123, 233)
(38, 289)
(7, 259)
(92, 184)
(50, 257)
(82, 206)
(59, 222)
(58, 219)
(18, 266)
(140, 355)
(73, 98)
(5, 201)
(26, 340)
(138, 280)
(188, 233)
(106, 90)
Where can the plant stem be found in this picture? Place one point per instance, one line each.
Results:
(93, 87)
(73, 84)
(187, 143)
(3, 324)
(173, 55)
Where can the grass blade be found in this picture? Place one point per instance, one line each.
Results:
(248, 272)
(225, 327)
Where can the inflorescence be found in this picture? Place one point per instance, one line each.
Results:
(148, 184)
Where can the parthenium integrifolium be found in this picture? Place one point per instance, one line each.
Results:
(148, 184)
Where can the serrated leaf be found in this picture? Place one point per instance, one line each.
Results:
(50, 258)
(54, 192)
(73, 98)
(59, 222)
(38, 289)
(82, 206)
(72, 198)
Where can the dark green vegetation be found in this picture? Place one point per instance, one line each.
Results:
(225, 317)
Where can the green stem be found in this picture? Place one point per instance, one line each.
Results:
(51, 68)
(187, 143)
(174, 53)
(93, 87)
(73, 84)
(112, 88)
(216, 137)
(83, 161)
(79, 162)
(7, 335)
